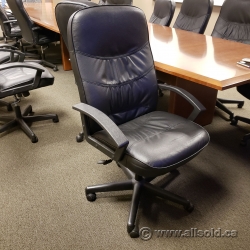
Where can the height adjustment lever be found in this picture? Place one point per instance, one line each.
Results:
(104, 162)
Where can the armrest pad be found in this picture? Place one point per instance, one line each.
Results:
(198, 107)
(10, 21)
(105, 122)
(12, 52)
(20, 65)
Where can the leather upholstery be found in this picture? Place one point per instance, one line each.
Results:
(120, 81)
(16, 80)
(110, 2)
(233, 22)
(163, 12)
(31, 33)
(64, 10)
(194, 15)
(153, 145)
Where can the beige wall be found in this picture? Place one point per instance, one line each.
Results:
(148, 5)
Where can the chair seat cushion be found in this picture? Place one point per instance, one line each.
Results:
(158, 142)
(17, 80)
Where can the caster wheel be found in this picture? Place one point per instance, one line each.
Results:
(189, 208)
(9, 108)
(55, 69)
(134, 233)
(34, 139)
(240, 105)
(80, 137)
(55, 119)
(234, 122)
(91, 197)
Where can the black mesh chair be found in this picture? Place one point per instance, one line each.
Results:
(194, 15)
(32, 33)
(17, 80)
(163, 12)
(233, 24)
(117, 85)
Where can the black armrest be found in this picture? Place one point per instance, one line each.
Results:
(198, 107)
(12, 54)
(10, 21)
(108, 125)
(25, 65)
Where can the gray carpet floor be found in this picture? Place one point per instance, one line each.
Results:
(42, 198)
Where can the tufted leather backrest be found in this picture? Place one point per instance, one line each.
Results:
(163, 12)
(194, 15)
(64, 10)
(23, 19)
(233, 22)
(112, 61)
(6, 28)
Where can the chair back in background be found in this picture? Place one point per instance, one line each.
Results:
(163, 12)
(194, 15)
(233, 22)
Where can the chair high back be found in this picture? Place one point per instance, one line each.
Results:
(233, 22)
(108, 73)
(119, 2)
(194, 15)
(64, 10)
(23, 19)
(163, 12)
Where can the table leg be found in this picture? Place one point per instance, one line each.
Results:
(65, 56)
(177, 105)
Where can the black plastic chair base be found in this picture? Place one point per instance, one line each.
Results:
(220, 104)
(246, 120)
(23, 119)
(139, 185)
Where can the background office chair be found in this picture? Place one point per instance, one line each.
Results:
(118, 90)
(194, 15)
(163, 12)
(10, 27)
(31, 33)
(63, 11)
(119, 2)
(17, 80)
(233, 24)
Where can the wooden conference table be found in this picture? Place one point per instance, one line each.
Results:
(200, 64)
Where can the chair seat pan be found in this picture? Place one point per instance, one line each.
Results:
(16, 80)
(159, 141)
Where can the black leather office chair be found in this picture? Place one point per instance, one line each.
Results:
(118, 90)
(194, 15)
(32, 33)
(163, 12)
(18, 79)
(119, 2)
(10, 27)
(233, 24)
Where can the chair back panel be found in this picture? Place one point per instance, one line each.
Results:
(23, 19)
(194, 15)
(64, 10)
(6, 28)
(110, 2)
(233, 22)
(163, 12)
(112, 61)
